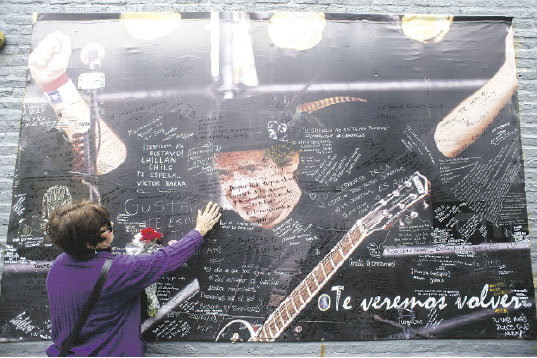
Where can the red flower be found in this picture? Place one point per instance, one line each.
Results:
(150, 235)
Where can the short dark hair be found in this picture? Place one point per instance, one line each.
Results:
(74, 226)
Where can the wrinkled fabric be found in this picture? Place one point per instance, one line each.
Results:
(113, 327)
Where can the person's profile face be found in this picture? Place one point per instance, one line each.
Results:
(258, 189)
(107, 233)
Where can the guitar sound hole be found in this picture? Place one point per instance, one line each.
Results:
(235, 332)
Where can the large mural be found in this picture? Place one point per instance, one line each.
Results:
(369, 168)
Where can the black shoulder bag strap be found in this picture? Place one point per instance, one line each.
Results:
(66, 345)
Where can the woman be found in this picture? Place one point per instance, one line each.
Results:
(84, 232)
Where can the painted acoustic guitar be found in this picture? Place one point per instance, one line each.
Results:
(382, 215)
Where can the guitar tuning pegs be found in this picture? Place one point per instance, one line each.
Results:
(413, 214)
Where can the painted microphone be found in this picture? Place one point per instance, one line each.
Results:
(92, 55)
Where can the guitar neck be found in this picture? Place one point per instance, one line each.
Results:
(381, 216)
(311, 285)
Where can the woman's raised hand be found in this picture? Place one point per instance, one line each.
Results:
(206, 219)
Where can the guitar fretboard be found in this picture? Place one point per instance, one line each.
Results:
(381, 216)
(308, 288)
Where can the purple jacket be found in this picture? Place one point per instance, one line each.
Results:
(113, 327)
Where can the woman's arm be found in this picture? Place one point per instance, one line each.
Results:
(132, 273)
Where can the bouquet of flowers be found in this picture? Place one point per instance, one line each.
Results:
(145, 242)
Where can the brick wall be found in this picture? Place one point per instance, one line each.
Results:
(16, 23)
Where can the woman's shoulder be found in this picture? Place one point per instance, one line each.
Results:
(66, 261)
(59, 261)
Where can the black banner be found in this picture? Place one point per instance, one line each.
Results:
(369, 168)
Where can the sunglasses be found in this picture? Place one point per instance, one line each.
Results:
(109, 226)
